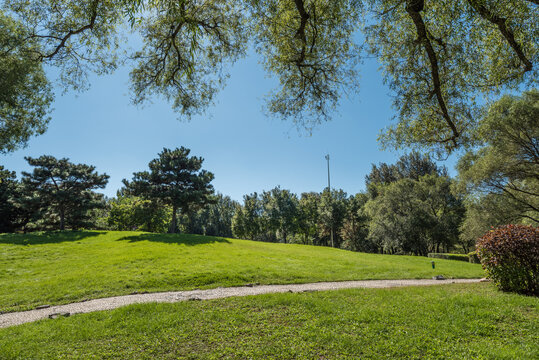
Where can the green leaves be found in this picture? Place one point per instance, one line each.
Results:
(25, 93)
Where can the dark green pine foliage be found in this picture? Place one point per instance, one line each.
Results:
(8, 187)
(64, 189)
(178, 180)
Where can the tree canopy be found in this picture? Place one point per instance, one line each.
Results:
(438, 57)
(64, 189)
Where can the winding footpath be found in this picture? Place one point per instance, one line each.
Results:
(18, 318)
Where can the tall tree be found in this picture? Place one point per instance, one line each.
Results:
(176, 179)
(64, 188)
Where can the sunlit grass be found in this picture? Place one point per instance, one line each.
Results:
(473, 321)
(55, 268)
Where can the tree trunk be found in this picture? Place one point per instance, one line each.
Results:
(172, 227)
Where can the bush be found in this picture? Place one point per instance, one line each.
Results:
(473, 258)
(460, 257)
(510, 256)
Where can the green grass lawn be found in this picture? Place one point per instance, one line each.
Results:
(473, 321)
(56, 268)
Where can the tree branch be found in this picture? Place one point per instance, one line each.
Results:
(506, 32)
(413, 8)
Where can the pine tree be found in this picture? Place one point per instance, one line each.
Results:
(177, 180)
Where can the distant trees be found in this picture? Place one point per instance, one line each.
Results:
(214, 219)
(176, 179)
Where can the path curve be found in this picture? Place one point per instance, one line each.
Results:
(17, 318)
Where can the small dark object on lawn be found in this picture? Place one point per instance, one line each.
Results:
(57, 315)
(194, 298)
(433, 265)
(438, 277)
(42, 307)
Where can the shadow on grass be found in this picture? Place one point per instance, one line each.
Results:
(48, 237)
(184, 239)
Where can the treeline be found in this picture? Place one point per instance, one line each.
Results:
(410, 207)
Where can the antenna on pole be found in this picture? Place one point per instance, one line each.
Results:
(329, 190)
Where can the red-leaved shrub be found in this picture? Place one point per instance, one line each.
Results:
(510, 256)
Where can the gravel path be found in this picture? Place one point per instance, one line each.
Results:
(17, 318)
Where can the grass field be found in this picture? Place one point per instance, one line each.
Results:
(56, 268)
(472, 321)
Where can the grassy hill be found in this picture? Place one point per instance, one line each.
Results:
(55, 268)
(471, 321)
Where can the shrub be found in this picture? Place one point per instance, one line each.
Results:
(460, 257)
(510, 256)
(473, 258)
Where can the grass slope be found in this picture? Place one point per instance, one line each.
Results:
(438, 322)
(56, 268)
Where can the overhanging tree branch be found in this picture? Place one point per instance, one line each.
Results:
(413, 8)
(504, 29)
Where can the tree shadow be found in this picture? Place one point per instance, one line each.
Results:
(47, 237)
(180, 239)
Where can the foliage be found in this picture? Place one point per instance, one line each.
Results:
(63, 267)
(510, 255)
(64, 189)
(409, 166)
(133, 213)
(25, 93)
(331, 215)
(176, 179)
(414, 216)
(215, 219)
(459, 257)
(506, 166)
(8, 213)
(308, 217)
(437, 57)
(281, 211)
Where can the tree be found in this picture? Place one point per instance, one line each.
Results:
(437, 56)
(354, 231)
(64, 189)
(25, 93)
(409, 166)
(415, 216)
(331, 215)
(176, 179)
(507, 165)
(281, 211)
(308, 217)
(247, 220)
(215, 219)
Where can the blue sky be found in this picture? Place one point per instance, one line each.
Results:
(246, 150)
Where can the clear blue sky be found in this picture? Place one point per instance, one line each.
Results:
(246, 150)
